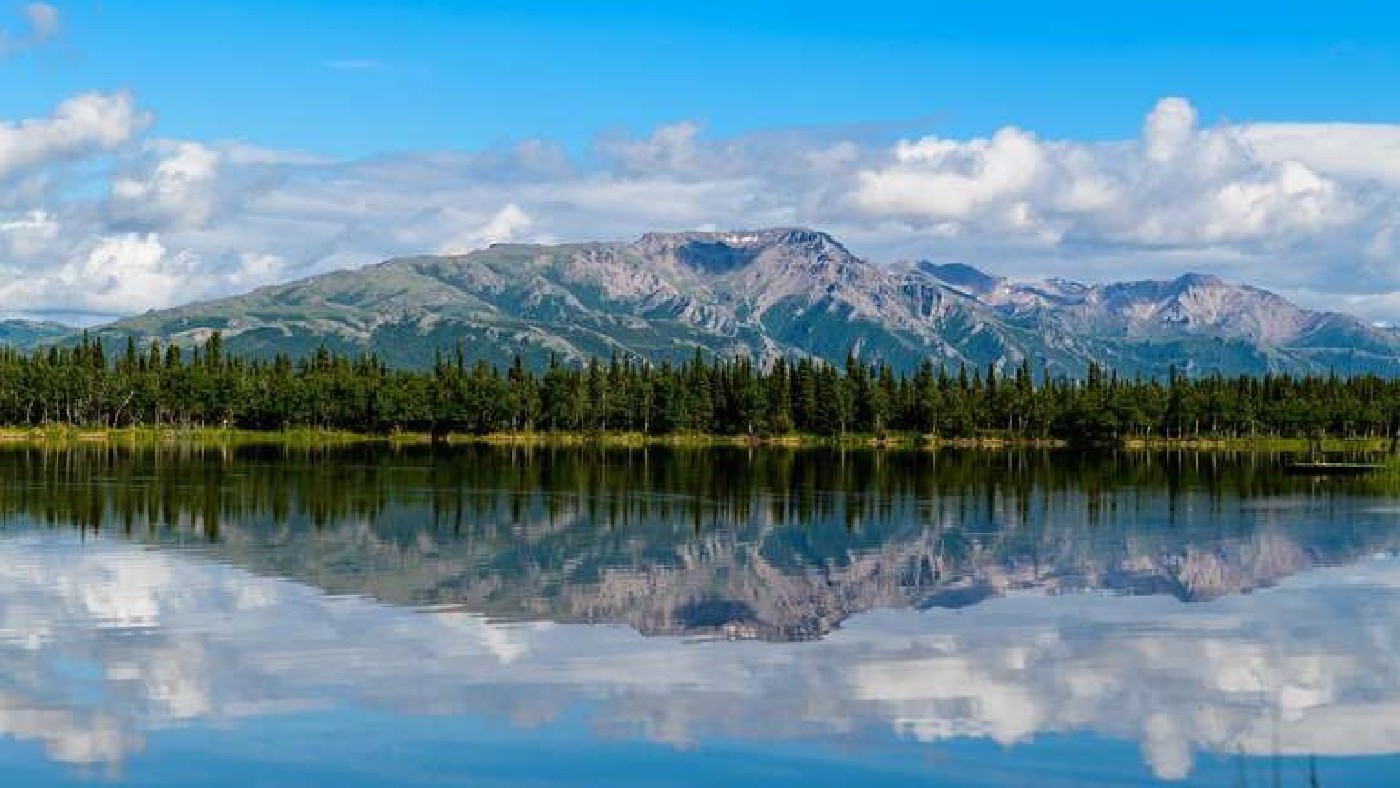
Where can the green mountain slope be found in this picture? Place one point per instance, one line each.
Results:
(775, 292)
(29, 334)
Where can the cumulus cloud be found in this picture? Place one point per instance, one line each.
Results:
(1178, 187)
(83, 125)
(1307, 209)
(1351, 150)
(176, 187)
(950, 183)
(507, 224)
(114, 274)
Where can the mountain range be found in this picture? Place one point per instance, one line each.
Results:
(768, 293)
(30, 334)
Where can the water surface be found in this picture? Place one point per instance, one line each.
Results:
(559, 617)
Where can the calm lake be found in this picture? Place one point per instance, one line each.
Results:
(483, 616)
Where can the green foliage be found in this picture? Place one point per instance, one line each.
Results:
(88, 386)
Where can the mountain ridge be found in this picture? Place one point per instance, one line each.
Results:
(766, 293)
(25, 334)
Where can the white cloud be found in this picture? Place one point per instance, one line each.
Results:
(42, 25)
(1352, 150)
(178, 187)
(27, 237)
(113, 274)
(942, 180)
(43, 21)
(1169, 130)
(1179, 186)
(1308, 209)
(83, 125)
(507, 224)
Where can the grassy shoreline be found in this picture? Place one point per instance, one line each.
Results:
(1264, 444)
(66, 435)
(311, 437)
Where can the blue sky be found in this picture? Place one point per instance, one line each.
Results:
(361, 77)
(156, 152)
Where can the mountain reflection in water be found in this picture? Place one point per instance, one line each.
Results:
(952, 596)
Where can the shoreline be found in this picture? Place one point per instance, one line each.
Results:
(312, 437)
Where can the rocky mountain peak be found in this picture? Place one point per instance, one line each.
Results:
(742, 239)
(721, 252)
(1144, 292)
(1190, 281)
(961, 276)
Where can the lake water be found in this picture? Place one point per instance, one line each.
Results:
(721, 617)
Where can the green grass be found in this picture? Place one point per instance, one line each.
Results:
(308, 436)
(1262, 444)
(127, 436)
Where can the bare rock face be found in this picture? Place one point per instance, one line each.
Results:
(778, 292)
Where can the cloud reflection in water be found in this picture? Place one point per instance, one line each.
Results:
(103, 642)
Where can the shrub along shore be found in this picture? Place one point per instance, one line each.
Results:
(308, 437)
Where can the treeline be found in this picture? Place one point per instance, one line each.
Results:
(807, 508)
(494, 491)
(155, 386)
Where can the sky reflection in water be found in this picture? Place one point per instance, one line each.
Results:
(115, 645)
